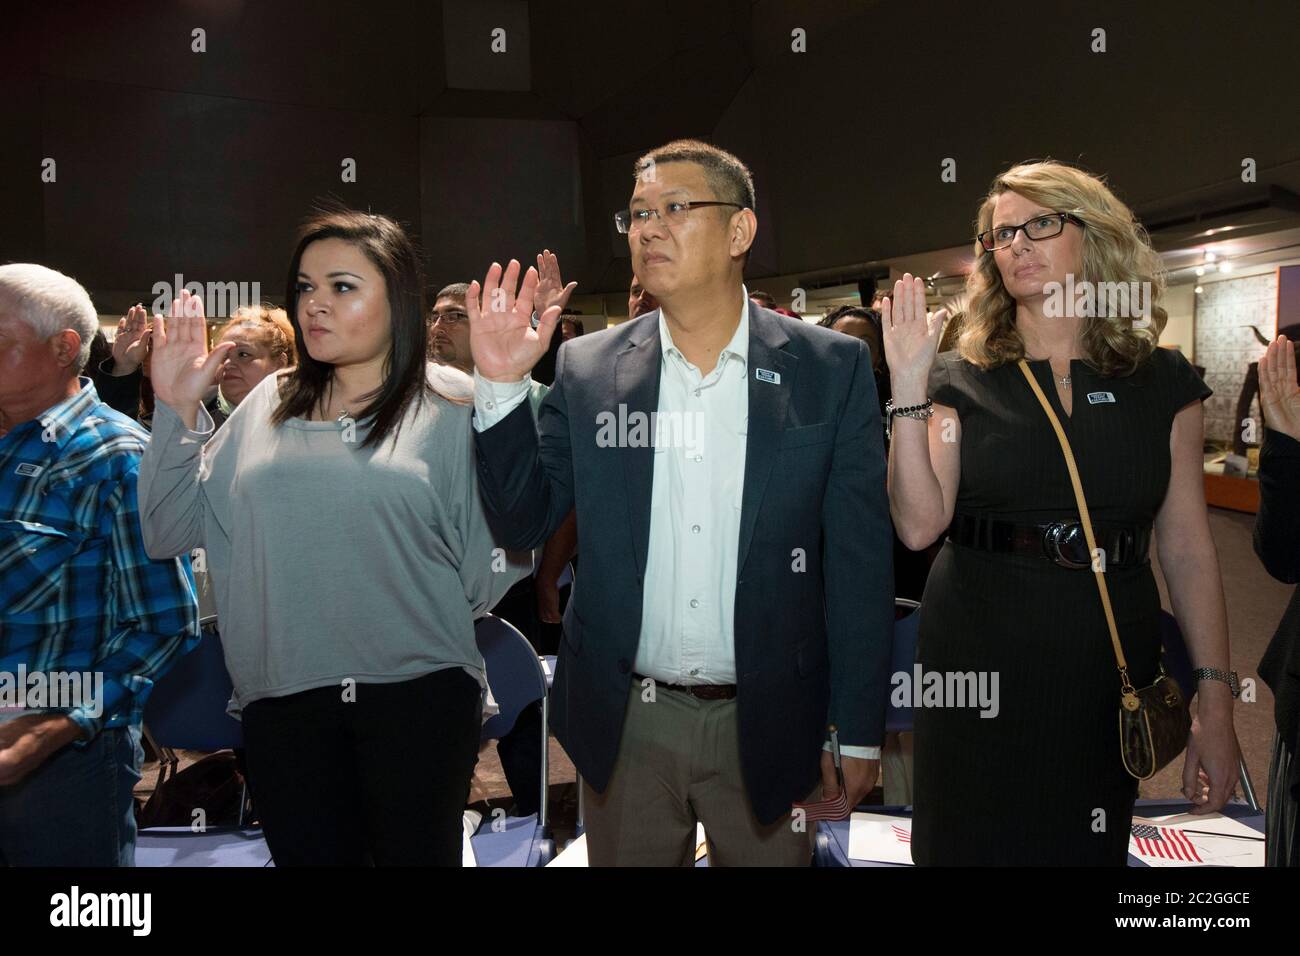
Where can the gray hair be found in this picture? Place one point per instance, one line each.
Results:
(50, 302)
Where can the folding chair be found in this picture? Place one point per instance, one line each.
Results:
(187, 711)
(902, 657)
(1179, 664)
(517, 680)
(187, 707)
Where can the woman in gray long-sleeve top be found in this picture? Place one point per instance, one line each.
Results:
(339, 512)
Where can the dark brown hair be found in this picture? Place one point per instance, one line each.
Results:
(405, 376)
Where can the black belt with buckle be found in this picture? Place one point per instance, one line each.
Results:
(1060, 541)
(700, 691)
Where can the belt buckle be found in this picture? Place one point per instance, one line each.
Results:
(1070, 534)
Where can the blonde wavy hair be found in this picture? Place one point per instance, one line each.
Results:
(271, 324)
(1115, 249)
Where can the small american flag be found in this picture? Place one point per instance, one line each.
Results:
(836, 809)
(1168, 843)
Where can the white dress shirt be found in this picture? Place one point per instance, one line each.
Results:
(688, 624)
(688, 616)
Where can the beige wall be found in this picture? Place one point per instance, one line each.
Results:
(1180, 330)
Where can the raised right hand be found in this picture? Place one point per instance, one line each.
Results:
(182, 369)
(1279, 393)
(911, 335)
(502, 339)
(128, 345)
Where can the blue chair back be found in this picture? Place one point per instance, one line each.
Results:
(902, 657)
(513, 673)
(186, 709)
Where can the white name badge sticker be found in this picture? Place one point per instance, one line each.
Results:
(1100, 398)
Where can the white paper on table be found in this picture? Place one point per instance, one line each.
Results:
(575, 854)
(701, 847)
(1213, 851)
(880, 838)
(469, 822)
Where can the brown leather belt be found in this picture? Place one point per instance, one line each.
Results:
(1060, 541)
(700, 691)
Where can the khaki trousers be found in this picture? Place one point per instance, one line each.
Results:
(679, 763)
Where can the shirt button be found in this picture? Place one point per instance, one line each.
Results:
(695, 672)
(699, 457)
(695, 529)
(695, 602)
(489, 405)
(697, 393)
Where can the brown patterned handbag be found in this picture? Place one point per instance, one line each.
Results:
(1154, 721)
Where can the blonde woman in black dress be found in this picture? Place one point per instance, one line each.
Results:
(1042, 781)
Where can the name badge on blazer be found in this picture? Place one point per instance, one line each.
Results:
(1100, 398)
(763, 375)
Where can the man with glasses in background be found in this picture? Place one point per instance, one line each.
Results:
(449, 329)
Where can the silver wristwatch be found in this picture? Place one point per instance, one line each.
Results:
(1226, 677)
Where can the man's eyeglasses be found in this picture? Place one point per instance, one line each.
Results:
(449, 318)
(1040, 227)
(673, 214)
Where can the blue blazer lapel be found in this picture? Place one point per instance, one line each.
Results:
(636, 387)
(768, 402)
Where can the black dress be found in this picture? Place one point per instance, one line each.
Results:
(1041, 782)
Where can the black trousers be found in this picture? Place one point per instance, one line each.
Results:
(381, 779)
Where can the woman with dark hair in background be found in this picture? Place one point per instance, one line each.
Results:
(340, 514)
(863, 324)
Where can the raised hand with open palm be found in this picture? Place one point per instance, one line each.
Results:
(501, 335)
(1279, 393)
(182, 370)
(551, 289)
(911, 339)
(129, 344)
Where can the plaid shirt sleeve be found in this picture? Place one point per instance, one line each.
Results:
(155, 614)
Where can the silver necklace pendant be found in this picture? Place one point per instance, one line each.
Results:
(1065, 381)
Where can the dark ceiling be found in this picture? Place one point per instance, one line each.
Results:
(170, 160)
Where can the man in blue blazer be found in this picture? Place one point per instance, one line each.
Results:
(735, 596)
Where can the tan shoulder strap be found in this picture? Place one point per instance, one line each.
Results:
(1086, 521)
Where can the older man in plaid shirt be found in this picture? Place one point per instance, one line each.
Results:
(88, 621)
